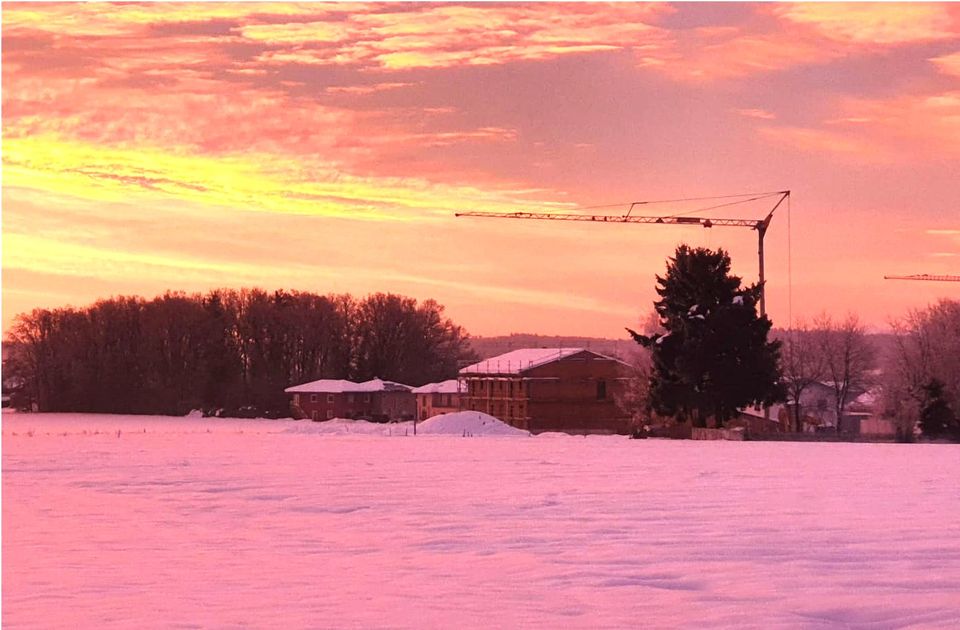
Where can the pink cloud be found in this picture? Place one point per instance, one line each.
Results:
(812, 140)
(782, 36)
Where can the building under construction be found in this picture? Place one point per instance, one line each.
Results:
(549, 389)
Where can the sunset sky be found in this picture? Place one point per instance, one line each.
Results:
(326, 147)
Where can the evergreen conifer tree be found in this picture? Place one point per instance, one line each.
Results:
(714, 357)
(936, 418)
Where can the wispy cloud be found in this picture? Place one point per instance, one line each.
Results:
(363, 90)
(445, 35)
(909, 127)
(762, 114)
(828, 142)
(948, 64)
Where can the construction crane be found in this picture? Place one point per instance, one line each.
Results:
(760, 225)
(925, 276)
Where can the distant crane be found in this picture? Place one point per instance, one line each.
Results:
(925, 276)
(760, 225)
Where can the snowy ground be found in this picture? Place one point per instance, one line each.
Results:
(120, 522)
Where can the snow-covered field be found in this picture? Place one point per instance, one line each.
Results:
(145, 522)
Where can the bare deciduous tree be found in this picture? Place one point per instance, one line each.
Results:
(634, 398)
(926, 348)
(848, 357)
(803, 364)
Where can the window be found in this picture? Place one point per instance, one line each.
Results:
(329, 398)
(329, 413)
(314, 415)
(601, 390)
(350, 398)
(366, 398)
(313, 398)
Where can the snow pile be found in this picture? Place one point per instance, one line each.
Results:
(467, 423)
(340, 386)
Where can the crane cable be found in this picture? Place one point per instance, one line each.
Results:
(754, 196)
(789, 270)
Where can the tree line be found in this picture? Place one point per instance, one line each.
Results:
(228, 350)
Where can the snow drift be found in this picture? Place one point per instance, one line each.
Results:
(467, 423)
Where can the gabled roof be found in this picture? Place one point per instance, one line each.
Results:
(451, 386)
(339, 386)
(517, 361)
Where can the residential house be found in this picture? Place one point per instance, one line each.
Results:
(819, 413)
(549, 389)
(376, 400)
(436, 398)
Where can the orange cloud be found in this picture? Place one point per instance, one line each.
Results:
(875, 22)
(444, 35)
(948, 64)
(113, 19)
(747, 54)
(911, 127)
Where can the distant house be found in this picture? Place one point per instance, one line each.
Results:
(376, 400)
(437, 398)
(776, 419)
(549, 389)
(819, 411)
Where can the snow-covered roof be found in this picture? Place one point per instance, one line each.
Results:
(339, 386)
(517, 361)
(443, 387)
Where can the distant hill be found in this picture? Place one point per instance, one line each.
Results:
(884, 344)
(488, 347)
